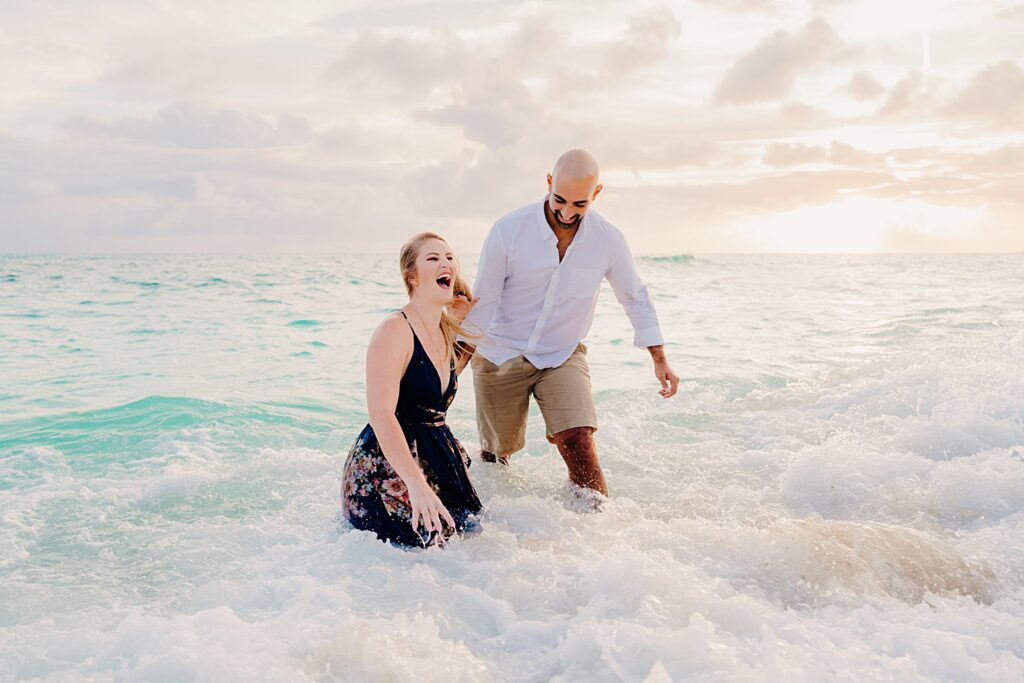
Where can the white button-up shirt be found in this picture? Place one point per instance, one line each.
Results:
(535, 306)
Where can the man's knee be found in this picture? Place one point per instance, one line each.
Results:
(574, 438)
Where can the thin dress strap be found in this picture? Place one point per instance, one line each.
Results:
(451, 363)
(415, 337)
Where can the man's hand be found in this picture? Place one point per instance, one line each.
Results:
(669, 380)
(460, 307)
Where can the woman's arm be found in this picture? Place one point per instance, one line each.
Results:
(387, 356)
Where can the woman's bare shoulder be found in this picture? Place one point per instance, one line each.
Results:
(393, 332)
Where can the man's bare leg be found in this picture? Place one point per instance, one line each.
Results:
(580, 454)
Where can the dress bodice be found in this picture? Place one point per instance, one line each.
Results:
(420, 399)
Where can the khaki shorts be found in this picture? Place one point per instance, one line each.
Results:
(503, 399)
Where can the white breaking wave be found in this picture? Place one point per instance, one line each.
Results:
(836, 494)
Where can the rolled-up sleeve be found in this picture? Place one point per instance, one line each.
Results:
(632, 293)
(490, 282)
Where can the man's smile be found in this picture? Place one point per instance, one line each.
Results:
(563, 223)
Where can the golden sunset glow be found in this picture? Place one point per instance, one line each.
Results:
(754, 125)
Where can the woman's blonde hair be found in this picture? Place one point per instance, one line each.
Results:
(407, 263)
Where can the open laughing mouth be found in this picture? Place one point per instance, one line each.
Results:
(445, 281)
(567, 224)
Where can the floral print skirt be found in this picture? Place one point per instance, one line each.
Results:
(374, 497)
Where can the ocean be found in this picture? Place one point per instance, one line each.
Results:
(836, 493)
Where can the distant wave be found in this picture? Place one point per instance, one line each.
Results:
(128, 281)
(678, 258)
(121, 428)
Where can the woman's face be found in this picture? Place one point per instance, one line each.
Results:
(434, 273)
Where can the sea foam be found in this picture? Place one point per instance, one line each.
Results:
(837, 492)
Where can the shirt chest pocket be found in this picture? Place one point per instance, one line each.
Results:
(584, 283)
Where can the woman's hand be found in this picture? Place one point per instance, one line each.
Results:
(460, 307)
(428, 509)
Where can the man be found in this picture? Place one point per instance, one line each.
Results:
(537, 283)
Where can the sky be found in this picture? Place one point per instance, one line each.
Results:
(721, 126)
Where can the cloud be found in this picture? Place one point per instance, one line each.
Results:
(838, 154)
(646, 41)
(744, 5)
(1005, 161)
(906, 95)
(494, 124)
(937, 176)
(786, 154)
(91, 193)
(186, 129)
(660, 151)
(496, 90)
(769, 70)
(799, 188)
(189, 124)
(769, 194)
(864, 87)
(360, 14)
(484, 187)
(1011, 13)
(403, 66)
(996, 92)
(847, 155)
(443, 80)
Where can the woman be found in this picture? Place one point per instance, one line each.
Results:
(405, 478)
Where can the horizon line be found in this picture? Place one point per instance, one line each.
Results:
(86, 254)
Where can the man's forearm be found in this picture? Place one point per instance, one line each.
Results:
(463, 353)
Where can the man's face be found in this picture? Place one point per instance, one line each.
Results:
(569, 200)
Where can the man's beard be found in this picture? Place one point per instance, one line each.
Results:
(562, 224)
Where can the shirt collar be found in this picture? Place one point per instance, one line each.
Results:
(542, 222)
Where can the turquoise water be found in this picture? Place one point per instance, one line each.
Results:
(839, 486)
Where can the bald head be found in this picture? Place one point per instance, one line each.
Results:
(576, 165)
(572, 187)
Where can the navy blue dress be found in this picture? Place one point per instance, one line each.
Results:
(375, 498)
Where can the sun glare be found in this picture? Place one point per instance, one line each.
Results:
(858, 225)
